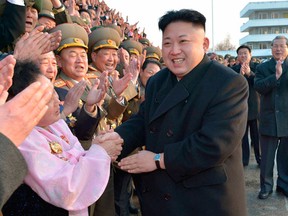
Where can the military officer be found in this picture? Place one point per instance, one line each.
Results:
(134, 48)
(144, 41)
(46, 16)
(153, 52)
(72, 60)
(103, 46)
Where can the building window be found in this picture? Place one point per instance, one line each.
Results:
(275, 15)
(284, 30)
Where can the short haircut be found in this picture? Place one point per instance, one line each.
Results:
(243, 47)
(279, 37)
(151, 61)
(25, 73)
(184, 15)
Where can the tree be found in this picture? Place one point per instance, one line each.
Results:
(225, 44)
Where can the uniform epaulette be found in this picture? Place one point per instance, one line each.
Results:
(59, 83)
(91, 75)
(91, 68)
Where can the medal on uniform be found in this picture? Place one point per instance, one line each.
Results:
(55, 147)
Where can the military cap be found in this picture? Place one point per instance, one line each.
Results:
(73, 35)
(144, 41)
(46, 10)
(116, 27)
(153, 52)
(37, 4)
(104, 37)
(132, 46)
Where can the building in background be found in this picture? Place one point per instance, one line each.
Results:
(266, 20)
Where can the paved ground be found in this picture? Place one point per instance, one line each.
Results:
(275, 205)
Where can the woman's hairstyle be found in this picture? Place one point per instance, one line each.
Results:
(25, 73)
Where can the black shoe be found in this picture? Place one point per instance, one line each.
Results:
(281, 190)
(264, 194)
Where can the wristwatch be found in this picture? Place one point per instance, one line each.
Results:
(157, 158)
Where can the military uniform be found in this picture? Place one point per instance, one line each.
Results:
(106, 37)
(132, 46)
(144, 41)
(74, 35)
(46, 10)
(10, 31)
(153, 52)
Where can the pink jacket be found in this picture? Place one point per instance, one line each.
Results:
(73, 179)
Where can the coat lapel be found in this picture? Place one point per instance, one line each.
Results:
(179, 91)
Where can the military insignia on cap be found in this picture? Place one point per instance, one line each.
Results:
(77, 40)
(110, 42)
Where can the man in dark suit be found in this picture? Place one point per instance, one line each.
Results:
(247, 69)
(191, 124)
(271, 82)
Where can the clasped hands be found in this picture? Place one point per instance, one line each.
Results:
(111, 142)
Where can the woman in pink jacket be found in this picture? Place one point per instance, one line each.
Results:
(63, 178)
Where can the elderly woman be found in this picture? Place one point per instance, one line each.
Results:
(63, 178)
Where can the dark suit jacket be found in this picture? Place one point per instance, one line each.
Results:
(12, 23)
(253, 100)
(12, 169)
(198, 123)
(273, 100)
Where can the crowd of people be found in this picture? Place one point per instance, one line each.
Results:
(92, 112)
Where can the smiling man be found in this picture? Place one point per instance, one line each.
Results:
(191, 124)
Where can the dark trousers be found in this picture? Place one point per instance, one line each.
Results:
(269, 147)
(123, 192)
(252, 126)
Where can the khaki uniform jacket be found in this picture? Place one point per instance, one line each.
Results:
(113, 108)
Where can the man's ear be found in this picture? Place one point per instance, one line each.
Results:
(206, 44)
(58, 59)
(93, 56)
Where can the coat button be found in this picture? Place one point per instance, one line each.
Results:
(152, 130)
(169, 133)
(167, 196)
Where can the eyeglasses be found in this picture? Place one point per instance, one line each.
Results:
(282, 46)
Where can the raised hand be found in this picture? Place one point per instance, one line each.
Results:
(37, 43)
(133, 69)
(279, 68)
(20, 114)
(55, 38)
(72, 98)
(6, 72)
(96, 94)
(119, 85)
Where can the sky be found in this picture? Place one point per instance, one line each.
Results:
(226, 20)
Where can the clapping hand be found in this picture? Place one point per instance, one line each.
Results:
(72, 98)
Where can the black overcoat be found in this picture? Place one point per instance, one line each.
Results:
(198, 123)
